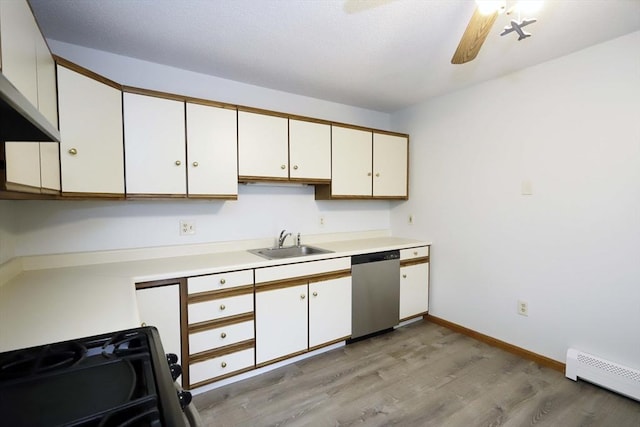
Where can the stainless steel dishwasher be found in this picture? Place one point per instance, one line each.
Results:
(375, 292)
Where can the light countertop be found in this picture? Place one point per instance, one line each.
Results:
(55, 304)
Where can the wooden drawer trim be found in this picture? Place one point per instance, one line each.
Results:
(413, 261)
(302, 280)
(413, 316)
(218, 323)
(221, 293)
(221, 351)
(157, 283)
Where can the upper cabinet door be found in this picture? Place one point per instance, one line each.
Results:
(212, 148)
(46, 72)
(351, 162)
(18, 32)
(155, 151)
(23, 166)
(92, 158)
(263, 146)
(390, 160)
(309, 150)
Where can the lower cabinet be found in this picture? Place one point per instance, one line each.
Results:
(220, 326)
(414, 282)
(300, 307)
(159, 306)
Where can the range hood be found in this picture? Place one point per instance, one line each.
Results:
(20, 120)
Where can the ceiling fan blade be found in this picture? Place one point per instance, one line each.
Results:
(473, 37)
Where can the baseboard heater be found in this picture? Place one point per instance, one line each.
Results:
(602, 372)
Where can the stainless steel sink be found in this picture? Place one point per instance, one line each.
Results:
(288, 252)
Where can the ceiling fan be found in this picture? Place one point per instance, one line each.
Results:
(481, 23)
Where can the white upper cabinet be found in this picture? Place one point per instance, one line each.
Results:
(351, 162)
(155, 150)
(23, 166)
(92, 158)
(366, 164)
(263, 146)
(49, 167)
(25, 58)
(309, 150)
(212, 150)
(390, 160)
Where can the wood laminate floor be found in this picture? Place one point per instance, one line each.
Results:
(419, 375)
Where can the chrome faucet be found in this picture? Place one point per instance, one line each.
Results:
(282, 238)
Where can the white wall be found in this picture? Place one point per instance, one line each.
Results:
(572, 249)
(8, 230)
(259, 212)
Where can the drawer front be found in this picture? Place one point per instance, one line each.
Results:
(222, 365)
(218, 337)
(302, 269)
(411, 253)
(219, 308)
(220, 281)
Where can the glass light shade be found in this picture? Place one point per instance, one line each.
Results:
(487, 7)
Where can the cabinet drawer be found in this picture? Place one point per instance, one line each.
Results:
(215, 282)
(221, 307)
(406, 254)
(222, 365)
(303, 269)
(218, 337)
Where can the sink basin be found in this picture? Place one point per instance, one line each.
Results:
(288, 252)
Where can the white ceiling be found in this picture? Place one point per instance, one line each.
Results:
(382, 56)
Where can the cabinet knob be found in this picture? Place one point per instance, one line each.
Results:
(303, 296)
(223, 364)
(315, 294)
(195, 164)
(295, 167)
(404, 276)
(222, 307)
(369, 174)
(223, 335)
(178, 162)
(143, 324)
(378, 174)
(73, 151)
(283, 167)
(222, 281)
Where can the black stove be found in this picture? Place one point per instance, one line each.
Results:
(117, 379)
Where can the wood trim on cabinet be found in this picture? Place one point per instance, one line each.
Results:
(280, 359)
(414, 316)
(301, 280)
(218, 323)
(85, 72)
(221, 351)
(248, 178)
(81, 196)
(518, 351)
(220, 293)
(261, 111)
(414, 261)
(158, 283)
(184, 336)
(326, 344)
(138, 196)
(213, 196)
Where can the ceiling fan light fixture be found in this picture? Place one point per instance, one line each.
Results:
(489, 7)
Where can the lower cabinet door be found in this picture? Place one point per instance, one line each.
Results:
(160, 307)
(414, 290)
(219, 366)
(329, 310)
(281, 322)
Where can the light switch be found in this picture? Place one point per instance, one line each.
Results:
(527, 187)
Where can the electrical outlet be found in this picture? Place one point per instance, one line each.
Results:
(187, 228)
(410, 219)
(523, 308)
(322, 221)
